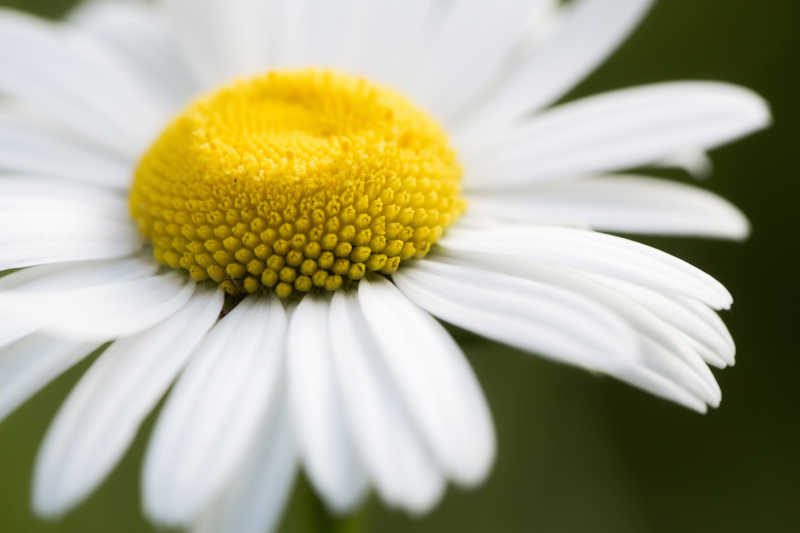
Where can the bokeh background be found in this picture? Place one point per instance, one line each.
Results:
(580, 453)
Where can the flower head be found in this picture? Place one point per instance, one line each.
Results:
(279, 245)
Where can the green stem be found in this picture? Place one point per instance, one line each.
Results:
(307, 514)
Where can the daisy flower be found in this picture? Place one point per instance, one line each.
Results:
(264, 205)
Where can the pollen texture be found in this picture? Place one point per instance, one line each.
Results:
(296, 181)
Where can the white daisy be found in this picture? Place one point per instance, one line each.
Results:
(311, 196)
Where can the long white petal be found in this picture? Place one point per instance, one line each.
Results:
(139, 34)
(59, 277)
(12, 331)
(392, 449)
(221, 39)
(45, 221)
(555, 323)
(102, 415)
(617, 130)
(29, 149)
(590, 32)
(102, 311)
(595, 253)
(696, 320)
(31, 363)
(214, 413)
(695, 161)
(74, 77)
(325, 444)
(626, 204)
(662, 354)
(256, 498)
(75, 275)
(335, 32)
(19, 194)
(396, 37)
(288, 31)
(433, 376)
(470, 48)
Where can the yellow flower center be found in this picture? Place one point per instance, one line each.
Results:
(295, 180)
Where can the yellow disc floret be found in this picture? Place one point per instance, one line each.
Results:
(296, 180)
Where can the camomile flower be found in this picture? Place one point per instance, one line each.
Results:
(265, 204)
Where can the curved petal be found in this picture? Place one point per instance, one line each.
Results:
(100, 418)
(76, 275)
(28, 149)
(696, 320)
(255, 500)
(395, 35)
(662, 361)
(100, 312)
(590, 32)
(74, 78)
(469, 49)
(31, 363)
(221, 39)
(391, 447)
(430, 371)
(335, 33)
(60, 277)
(214, 413)
(531, 316)
(138, 33)
(695, 161)
(315, 404)
(35, 237)
(592, 252)
(12, 331)
(617, 130)
(624, 204)
(47, 221)
(20, 194)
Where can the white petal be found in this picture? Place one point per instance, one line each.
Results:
(695, 161)
(617, 130)
(102, 311)
(625, 204)
(29, 149)
(326, 447)
(101, 416)
(20, 194)
(661, 352)
(334, 33)
(255, 500)
(74, 78)
(441, 392)
(384, 26)
(392, 449)
(590, 32)
(288, 29)
(139, 34)
(31, 363)
(63, 276)
(75, 275)
(11, 331)
(593, 252)
(213, 415)
(47, 222)
(531, 316)
(696, 320)
(221, 39)
(469, 49)
(658, 385)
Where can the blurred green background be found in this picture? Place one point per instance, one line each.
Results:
(580, 453)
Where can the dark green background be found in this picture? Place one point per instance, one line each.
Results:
(578, 453)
